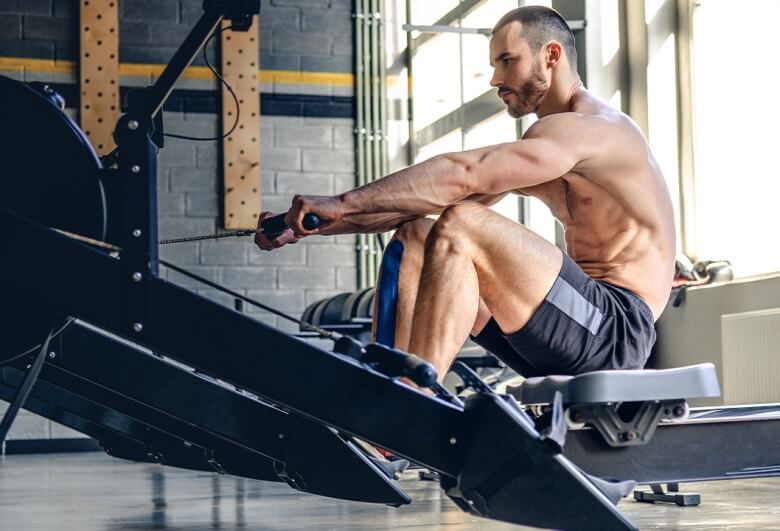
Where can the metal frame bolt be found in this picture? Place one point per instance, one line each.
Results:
(137, 277)
(52, 355)
(137, 233)
(138, 327)
(135, 168)
(132, 125)
(281, 435)
(453, 440)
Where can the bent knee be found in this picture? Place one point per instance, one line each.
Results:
(457, 221)
(414, 233)
(460, 214)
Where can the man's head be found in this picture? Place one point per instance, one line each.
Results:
(527, 45)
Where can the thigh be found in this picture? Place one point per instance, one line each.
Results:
(515, 266)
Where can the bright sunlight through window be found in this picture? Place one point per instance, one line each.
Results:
(736, 139)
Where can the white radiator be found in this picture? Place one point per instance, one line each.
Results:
(751, 357)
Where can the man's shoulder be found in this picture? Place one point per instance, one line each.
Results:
(574, 123)
(597, 134)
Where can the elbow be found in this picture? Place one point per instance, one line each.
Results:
(462, 175)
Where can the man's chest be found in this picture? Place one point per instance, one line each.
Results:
(564, 197)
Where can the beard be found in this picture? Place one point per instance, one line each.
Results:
(531, 94)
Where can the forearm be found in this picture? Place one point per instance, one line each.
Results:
(418, 190)
(367, 223)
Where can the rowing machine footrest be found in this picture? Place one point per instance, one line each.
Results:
(394, 362)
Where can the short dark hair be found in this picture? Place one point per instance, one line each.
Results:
(541, 25)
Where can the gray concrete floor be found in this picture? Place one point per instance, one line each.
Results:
(92, 491)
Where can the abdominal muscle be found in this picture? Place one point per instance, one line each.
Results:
(610, 244)
(633, 262)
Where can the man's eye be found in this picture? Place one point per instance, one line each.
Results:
(507, 60)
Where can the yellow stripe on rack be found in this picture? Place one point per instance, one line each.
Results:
(289, 77)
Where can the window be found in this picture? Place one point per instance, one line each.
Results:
(454, 106)
(735, 133)
(428, 13)
(476, 48)
(436, 84)
(448, 143)
(662, 112)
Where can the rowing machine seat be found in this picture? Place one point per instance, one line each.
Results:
(621, 386)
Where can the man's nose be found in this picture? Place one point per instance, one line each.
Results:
(495, 80)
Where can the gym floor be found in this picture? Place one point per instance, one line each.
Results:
(91, 491)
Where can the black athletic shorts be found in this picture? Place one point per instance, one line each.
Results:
(582, 325)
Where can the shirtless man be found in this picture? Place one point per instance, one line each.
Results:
(473, 271)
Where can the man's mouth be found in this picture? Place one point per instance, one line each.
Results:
(504, 94)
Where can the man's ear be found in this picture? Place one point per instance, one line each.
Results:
(554, 54)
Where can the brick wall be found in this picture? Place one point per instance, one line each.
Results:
(313, 35)
(299, 155)
(306, 138)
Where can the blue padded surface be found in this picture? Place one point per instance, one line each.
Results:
(388, 293)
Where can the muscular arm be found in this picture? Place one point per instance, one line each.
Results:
(385, 221)
(545, 153)
(551, 148)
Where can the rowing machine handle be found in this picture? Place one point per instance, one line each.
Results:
(274, 226)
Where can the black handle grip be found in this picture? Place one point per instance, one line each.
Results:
(394, 362)
(274, 226)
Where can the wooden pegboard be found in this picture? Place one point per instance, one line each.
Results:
(99, 71)
(241, 150)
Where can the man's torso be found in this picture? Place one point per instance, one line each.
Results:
(618, 218)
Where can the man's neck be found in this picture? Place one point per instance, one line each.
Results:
(559, 97)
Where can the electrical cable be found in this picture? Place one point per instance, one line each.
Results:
(227, 86)
(112, 158)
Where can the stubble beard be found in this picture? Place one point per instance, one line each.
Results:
(531, 94)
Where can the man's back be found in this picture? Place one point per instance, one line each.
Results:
(614, 204)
